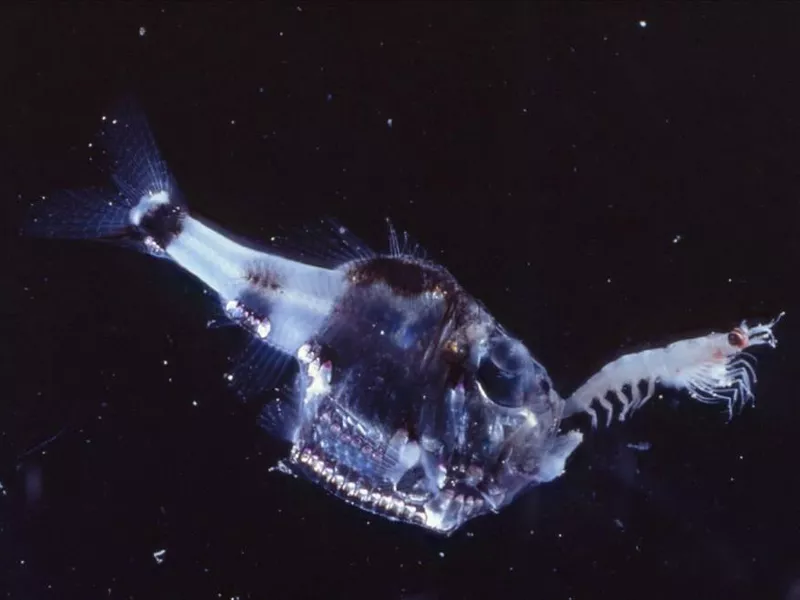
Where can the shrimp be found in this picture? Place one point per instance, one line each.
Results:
(713, 369)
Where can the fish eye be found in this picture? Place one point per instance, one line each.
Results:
(500, 373)
(502, 387)
(508, 355)
(737, 339)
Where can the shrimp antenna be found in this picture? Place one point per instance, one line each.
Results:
(762, 333)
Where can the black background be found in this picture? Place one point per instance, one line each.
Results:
(602, 176)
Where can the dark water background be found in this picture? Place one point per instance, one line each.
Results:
(602, 176)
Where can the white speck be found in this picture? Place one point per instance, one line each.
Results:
(22, 561)
(229, 376)
(113, 121)
(608, 280)
(441, 554)
(103, 118)
(194, 402)
(280, 33)
(2, 489)
(383, 332)
(640, 446)
(233, 121)
(166, 362)
(159, 555)
(90, 144)
(642, 24)
(389, 123)
(676, 239)
(142, 31)
(299, 8)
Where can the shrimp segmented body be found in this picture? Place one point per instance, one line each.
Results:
(714, 369)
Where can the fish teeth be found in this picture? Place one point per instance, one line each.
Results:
(356, 491)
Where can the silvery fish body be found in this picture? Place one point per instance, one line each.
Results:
(410, 400)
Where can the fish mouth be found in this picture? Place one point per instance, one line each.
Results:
(391, 476)
(442, 513)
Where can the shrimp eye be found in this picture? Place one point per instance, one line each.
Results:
(737, 339)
